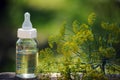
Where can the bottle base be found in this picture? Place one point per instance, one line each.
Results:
(26, 76)
(17, 78)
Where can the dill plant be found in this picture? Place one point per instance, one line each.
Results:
(86, 50)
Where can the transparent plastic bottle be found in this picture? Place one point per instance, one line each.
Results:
(26, 50)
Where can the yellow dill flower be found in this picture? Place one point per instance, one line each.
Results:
(100, 48)
(84, 27)
(75, 26)
(112, 26)
(89, 35)
(104, 25)
(107, 52)
(91, 18)
(82, 36)
(69, 47)
(79, 38)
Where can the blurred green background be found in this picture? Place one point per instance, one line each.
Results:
(47, 16)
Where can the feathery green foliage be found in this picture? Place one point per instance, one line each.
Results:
(84, 51)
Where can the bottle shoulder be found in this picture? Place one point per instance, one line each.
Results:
(26, 42)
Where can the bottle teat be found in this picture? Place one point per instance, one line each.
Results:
(27, 31)
(27, 23)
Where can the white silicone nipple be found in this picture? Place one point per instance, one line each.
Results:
(27, 31)
(27, 25)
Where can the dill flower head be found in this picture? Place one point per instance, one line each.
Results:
(91, 18)
(69, 48)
